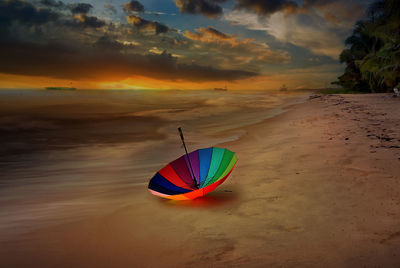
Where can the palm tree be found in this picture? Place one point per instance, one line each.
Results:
(373, 56)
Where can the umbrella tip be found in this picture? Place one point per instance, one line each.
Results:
(180, 132)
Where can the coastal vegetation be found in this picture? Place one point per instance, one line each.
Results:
(372, 56)
(339, 90)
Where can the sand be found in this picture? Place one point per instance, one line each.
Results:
(316, 186)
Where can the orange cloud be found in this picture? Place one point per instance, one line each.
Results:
(211, 35)
(312, 77)
(144, 25)
(237, 51)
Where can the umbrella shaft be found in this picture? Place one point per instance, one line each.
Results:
(190, 164)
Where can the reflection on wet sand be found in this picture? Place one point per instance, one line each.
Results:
(213, 199)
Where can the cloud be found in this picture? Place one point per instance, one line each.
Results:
(111, 8)
(89, 21)
(321, 29)
(337, 12)
(249, 20)
(340, 13)
(24, 13)
(319, 40)
(269, 7)
(90, 49)
(210, 35)
(230, 50)
(84, 61)
(74, 8)
(53, 3)
(331, 8)
(81, 8)
(215, 33)
(209, 8)
(143, 24)
(109, 43)
(133, 6)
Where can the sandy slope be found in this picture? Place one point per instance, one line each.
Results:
(318, 186)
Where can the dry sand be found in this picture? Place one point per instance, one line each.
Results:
(317, 186)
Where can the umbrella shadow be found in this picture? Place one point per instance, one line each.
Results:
(211, 200)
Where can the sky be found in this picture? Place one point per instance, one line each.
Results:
(174, 44)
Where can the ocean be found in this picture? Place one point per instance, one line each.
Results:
(65, 155)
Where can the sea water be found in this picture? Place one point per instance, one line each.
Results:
(69, 154)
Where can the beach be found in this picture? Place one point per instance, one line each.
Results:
(317, 183)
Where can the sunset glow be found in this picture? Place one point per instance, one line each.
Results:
(181, 44)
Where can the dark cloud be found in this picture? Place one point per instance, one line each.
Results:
(311, 3)
(81, 21)
(53, 3)
(209, 8)
(269, 7)
(109, 43)
(146, 24)
(75, 8)
(30, 46)
(24, 13)
(212, 8)
(91, 21)
(133, 6)
(81, 8)
(80, 61)
(20, 16)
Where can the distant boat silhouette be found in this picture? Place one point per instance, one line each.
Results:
(61, 88)
(284, 88)
(221, 88)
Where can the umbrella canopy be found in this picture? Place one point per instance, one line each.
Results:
(193, 175)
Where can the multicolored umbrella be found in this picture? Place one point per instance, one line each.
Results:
(193, 175)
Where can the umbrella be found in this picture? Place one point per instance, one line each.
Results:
(194, 174)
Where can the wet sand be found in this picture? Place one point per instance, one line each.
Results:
(316, 186)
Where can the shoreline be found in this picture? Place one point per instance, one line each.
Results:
(310, 189)
(274, 112)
